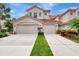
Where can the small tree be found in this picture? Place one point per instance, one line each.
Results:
(9, 25)
(75, 23)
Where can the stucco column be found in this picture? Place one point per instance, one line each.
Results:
(14, 28)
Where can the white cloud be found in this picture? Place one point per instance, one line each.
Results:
(62, 10)
(65, 9)
(18, 15)
(73, 7)
(15, 4)
(47, 5)
(21, 14)
(12, 12)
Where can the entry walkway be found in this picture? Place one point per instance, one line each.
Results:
(61, 46)
(17, 45)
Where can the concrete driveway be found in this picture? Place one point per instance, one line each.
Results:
(61, 46)
(17, 45)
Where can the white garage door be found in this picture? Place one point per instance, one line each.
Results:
(49, 29)
(27, 29)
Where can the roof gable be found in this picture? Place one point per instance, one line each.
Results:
(26, 20)
(37, 8)
(70, 10)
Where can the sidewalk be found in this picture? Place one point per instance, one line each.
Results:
(61, 46)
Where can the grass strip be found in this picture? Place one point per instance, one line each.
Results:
(41, 47)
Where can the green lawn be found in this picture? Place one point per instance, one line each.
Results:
(41, 47)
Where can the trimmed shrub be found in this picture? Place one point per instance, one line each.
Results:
(68, 32)
(3, 30)
(58, 31)
(3, 33)
(41, 33)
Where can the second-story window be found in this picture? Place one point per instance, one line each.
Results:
(45, 13)
(71, 13)
(35, 15)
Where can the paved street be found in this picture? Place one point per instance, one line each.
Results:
(61, 46)
(17, 45)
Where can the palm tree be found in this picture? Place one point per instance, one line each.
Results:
(75, 24)
(4, 12)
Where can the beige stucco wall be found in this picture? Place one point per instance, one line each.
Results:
(67, 16)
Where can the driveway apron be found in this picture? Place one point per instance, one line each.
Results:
(17, 45)
(61, 46)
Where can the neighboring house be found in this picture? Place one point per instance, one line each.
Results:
(36, 17)
(66, 17)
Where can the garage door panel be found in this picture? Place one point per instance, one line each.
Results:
(49, 29)
(30, 29)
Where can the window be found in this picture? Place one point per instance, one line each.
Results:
(45, 13)
(78, 13)
(71, 13)
(30, 13)
(35, 15)
(40, 14)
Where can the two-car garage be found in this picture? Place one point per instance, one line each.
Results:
(30, 26)
(33, 29)
(26, 25)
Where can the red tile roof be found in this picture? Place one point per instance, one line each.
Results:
(43, 21)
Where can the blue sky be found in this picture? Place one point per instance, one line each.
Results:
(19, 9)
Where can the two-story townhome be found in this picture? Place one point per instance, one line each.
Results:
(36, 17)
